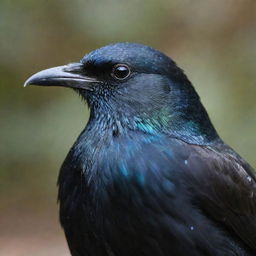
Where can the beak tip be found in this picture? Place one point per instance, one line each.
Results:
(25, 84)
(33, 80)
(29, 81)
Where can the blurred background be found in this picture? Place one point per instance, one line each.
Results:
(213, 41)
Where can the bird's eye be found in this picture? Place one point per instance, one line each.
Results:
(120, 71)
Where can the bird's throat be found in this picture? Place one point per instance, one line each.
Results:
(163, 122)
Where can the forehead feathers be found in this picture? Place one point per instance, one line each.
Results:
(139, 56)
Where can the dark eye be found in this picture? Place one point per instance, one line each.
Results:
(121, 71)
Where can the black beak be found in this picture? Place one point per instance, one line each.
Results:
(67, 76)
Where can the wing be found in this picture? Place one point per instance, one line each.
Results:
(166, 195)
(224, 188)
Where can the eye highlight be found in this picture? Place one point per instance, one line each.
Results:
(120, 71)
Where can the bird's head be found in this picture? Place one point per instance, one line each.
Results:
(135, 86)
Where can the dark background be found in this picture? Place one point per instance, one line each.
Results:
(213, 41)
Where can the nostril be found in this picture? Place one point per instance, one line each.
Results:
(74, 68)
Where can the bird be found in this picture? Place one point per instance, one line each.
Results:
(149, 175)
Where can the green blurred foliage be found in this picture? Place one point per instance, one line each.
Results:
(213, 41)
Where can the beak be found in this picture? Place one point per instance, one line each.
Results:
(66, 76)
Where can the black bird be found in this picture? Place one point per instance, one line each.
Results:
(149, 174)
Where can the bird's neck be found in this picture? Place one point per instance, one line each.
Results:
(190, 125)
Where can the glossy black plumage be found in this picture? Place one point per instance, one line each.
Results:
(149, 175)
